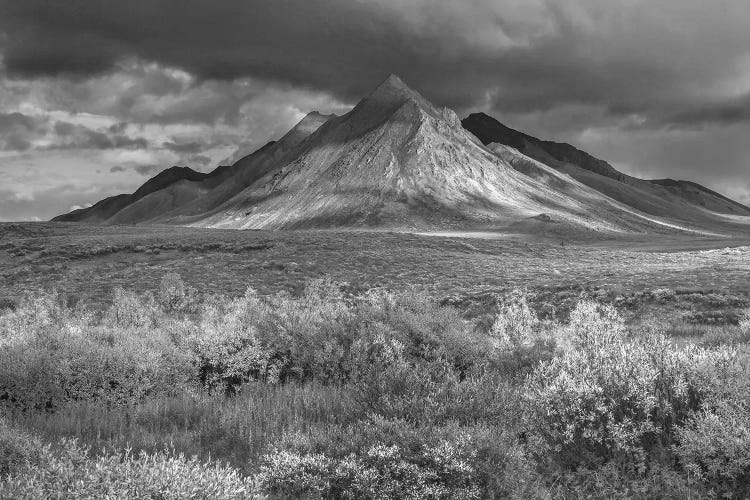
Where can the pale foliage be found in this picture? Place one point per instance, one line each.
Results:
(517, 326)
(67, 471)
(610, 397)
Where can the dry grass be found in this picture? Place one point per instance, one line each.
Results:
(237, 430)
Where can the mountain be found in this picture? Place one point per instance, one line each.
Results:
(191, 191)
(395, 161)
(665, 198)
(702, 196)
(108, 207)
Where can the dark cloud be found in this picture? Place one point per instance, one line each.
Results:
(603, 75)
(147, 169)
(11, 121)
(75, 136)
(117, 168)
(510, 55)
(17, 131)
(201, 160)
(185, 147)
(728, 112)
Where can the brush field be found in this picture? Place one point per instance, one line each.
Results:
(162, 362)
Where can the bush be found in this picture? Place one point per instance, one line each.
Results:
(51, 355)
(175, 296)
(663, 295)
(615, 482)
(310, 336)
(391, 459)
(519, 339)
(320, 335)
(609, 398)
(389, 383)
(7, 305)
(715, 448)
(225, 344)
(425, 329)
(714, 445)
(67, 470)
(744, 323)
(17, 449)
(129, 309)
(381, 395)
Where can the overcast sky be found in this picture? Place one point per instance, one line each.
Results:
(98, 95)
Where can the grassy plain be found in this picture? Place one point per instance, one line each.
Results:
(86, 262)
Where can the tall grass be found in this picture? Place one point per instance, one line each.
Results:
(237, 430)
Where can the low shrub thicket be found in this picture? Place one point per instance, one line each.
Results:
(606, 397)
(415, 400)
(51, 355)
(387, 458)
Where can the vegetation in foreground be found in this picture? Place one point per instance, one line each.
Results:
(176, 394)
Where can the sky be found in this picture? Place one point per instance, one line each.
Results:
(96, 96)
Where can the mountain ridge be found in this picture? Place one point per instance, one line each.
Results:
(397, 161)
(657, 195)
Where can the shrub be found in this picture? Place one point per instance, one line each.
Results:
(425, 329)
(615, 482)
(310, 336)
(606, 397)
(380, 472)
(67, 471)
(744, 323)
(273, 339)
(17, 449)
(50, 355)
(519, 339)
(129, 309)
(663, 295)
(387, 382)
(45, 373)
(714, 445)
(225, 344)
(175, 296)
(391, 459)
(7, 305)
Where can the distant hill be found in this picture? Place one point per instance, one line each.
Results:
(666, 197)
(108, 207)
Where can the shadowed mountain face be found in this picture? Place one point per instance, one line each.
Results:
(489, 130)
(397, 161)
(108, 207)
(667, 197)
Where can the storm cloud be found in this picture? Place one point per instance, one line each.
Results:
(529, 54)
(188, 78)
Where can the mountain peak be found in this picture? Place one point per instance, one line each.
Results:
(315, 118)
(314, 115)
(394, 90)
(394, 81)
(389, 96)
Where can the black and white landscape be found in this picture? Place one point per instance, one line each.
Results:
(337, 249)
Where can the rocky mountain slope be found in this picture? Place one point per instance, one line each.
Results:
(667, 198)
